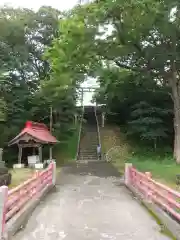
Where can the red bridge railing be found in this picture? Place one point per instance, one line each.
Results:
(14, 200)
(153, 191)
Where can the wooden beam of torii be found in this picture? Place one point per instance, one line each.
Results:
(85, 90)
(89, 89)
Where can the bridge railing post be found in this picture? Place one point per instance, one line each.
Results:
(3, 201)
(54, 173)
(127, 174)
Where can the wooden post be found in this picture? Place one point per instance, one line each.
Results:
(75, 119)
(20, 154)
(54, 173)
(3, 201)
(51, 119)
(127, 173)
(1, 154)
(103, 119)
(34, 152)
(82, 97)
(40, 153)
(51, 124)
(149, 191)
(50, 152)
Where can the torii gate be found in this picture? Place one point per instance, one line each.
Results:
(86, 89)
(92, 90)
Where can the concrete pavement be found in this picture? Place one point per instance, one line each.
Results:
(90, 203)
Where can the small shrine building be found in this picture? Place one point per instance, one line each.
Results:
(33, 135)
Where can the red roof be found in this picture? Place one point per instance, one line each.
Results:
(38, 131)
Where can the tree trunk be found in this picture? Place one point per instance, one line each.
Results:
(155, 144)
(176, 99)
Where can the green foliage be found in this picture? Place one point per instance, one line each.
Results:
(143, 106)
(66, 149)
(24, 36)
(24, 71)
(3, 110)
(160, 164)
(131, 47)
(139, 36)
(147, 122)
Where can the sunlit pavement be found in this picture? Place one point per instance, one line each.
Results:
(90, 203)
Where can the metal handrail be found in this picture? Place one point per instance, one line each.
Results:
(80, 130)
(98, 128)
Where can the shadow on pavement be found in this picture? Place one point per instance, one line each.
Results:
(99, 169)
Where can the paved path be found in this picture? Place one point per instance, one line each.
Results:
(90, 203)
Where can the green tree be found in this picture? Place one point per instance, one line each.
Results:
(24, 37)
(147, 123)
(141, 36)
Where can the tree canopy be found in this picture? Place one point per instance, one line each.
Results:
(25, 36)
(141, 37)
(130, 47)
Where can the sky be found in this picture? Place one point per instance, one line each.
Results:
(36, 4)
(61, 5)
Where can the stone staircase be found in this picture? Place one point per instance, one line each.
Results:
(88, 144)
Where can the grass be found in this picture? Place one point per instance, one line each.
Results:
(113, 143)
(163, 168)
(66, 151)
(20, 175)
(160, 163)
(72, 144)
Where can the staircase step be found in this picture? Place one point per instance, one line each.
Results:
(88, 144)
(90, 160)
(87, 156)
(88, 152)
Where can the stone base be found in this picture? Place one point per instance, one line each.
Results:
(5, 179)
(18, 165)
(39, 166)
(3, 168)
